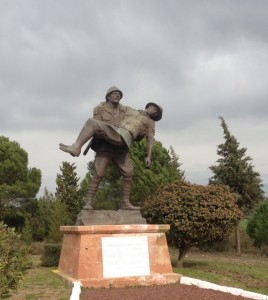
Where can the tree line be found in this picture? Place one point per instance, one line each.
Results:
(196, 213)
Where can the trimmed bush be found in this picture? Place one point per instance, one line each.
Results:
(51, 255)
(196, 214)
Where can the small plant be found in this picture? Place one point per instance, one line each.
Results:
(13, 259)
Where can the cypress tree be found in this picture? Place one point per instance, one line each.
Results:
(235, 170)
(67, 189)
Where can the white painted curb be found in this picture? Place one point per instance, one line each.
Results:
(76, 291)
(226, 289)
(191, 281)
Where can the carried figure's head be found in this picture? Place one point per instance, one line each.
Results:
(155, 111)
(113, 92)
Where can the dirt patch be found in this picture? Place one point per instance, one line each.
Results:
(167, 292)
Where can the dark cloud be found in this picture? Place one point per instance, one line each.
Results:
(61, 50)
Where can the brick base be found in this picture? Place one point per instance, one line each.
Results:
(81, 255)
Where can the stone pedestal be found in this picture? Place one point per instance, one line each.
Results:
(109, 217)
(116, 255)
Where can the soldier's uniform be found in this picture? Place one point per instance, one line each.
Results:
(106, 151)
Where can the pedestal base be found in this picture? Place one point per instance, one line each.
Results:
(109, 217)
(117, 255)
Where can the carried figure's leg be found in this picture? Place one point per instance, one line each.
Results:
(101, 162)
(92, 127)
(85, 134)
(124, 163)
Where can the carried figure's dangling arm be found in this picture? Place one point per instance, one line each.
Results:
(150, 144)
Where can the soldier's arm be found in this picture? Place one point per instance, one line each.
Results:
(129, 111)
(97, 116)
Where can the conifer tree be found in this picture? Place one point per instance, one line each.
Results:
(17, 181)
(235, 170)
(165, 169)
(46, 207)
(175, 162)
(257, 227)
(59, 217)
(67, 189)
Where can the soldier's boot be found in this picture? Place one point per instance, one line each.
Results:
(126, 185)
(85, 134)
(91, 192)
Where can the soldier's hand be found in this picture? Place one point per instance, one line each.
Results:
(148, 162)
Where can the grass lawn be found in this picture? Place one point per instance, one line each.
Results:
(247, 272)
(41, 283)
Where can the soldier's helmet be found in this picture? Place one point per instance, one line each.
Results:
(159, 110)
(113, 89)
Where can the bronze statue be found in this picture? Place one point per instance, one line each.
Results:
(113, 128)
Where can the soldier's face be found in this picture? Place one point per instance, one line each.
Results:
(152, 111)
(114, 97)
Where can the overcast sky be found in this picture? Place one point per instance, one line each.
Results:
(198, 59)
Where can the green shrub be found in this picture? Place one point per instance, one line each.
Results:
(246, 242)
(228, 244)
(51, 255)
(27, 231)
(217, 246)
(13, 259)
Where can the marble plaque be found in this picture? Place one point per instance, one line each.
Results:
(125, 256)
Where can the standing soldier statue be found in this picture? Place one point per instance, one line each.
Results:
(112, 130)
